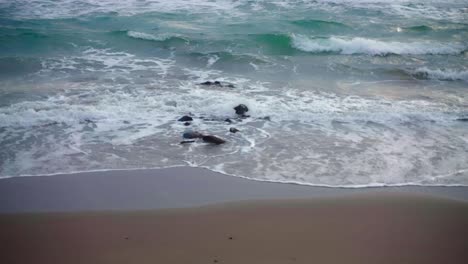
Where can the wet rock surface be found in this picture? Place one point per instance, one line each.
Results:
(217, 84)
(241, 109)
(192, 135)
(185, 119)
(213, 139)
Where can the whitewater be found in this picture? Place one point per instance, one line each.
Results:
(341, 93)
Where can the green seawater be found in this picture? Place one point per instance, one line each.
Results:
(340, 93)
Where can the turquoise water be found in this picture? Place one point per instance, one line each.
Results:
(357, 92)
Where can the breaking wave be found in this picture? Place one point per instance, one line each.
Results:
(441, 74)
(359, 45)
(146, 36)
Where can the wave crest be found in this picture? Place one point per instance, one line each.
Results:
(372, 47)
(146, 36)
(441, 74)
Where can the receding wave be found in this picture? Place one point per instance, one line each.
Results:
(14, 66)
(441, 74)
(373, 47)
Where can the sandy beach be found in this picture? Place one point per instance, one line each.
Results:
(233, 131)
(206, 217)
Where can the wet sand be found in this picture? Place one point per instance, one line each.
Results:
(166, 188)
(196, 216)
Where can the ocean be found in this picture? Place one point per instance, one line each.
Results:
(348, 93)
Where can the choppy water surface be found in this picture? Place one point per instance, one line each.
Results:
(358, 92)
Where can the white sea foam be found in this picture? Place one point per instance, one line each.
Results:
(146, 36)
(111, 109)
(212, 59)
(372, 47)
(375, 142)
(105, 61)
(73, 8)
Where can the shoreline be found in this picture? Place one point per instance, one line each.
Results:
(177, 187)
(238, 176)
(189, 215)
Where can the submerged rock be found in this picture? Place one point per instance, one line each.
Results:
(187, 124)
(241, 109)
(217, 83)
(463, 119)
(185, 119)
(213, 139)
(208, 83)
(228, 120)
(233, 130)
(191, 135)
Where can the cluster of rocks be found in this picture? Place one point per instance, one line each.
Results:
(192, 136)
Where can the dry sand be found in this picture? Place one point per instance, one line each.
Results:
(371, 228)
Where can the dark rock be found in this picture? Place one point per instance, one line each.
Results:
(185, 119)
(213, 139)
(267, 118)
(191, 135)
(208, 83)
(463, 119)
(231, 238)
(217, 83)
(241, 109)
(228, 120)
(233, 130)
(187, 141)
(187, 124)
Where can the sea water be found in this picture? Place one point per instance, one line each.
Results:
(340, 92)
